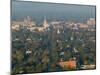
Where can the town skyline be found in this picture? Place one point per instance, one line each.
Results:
(52, 37)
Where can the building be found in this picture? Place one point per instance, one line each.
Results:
(29, 24)
(71, 63)
(91, 21)
(41, 28)
(45, 23)
(82, 26)
(15, 27)
(91, 66)
(57, 24)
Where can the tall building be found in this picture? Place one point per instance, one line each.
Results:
(28, 22)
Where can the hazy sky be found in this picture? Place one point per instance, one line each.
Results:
(37, 11)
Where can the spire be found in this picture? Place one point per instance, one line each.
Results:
(58, 31)
(45, 24)
(28, 18)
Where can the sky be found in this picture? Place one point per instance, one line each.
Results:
(37, 11)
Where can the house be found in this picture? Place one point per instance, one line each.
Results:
(90, 66)
(71, 63)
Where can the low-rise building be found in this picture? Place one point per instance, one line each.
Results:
(71, 64)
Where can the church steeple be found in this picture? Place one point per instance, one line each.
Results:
(45, 23)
